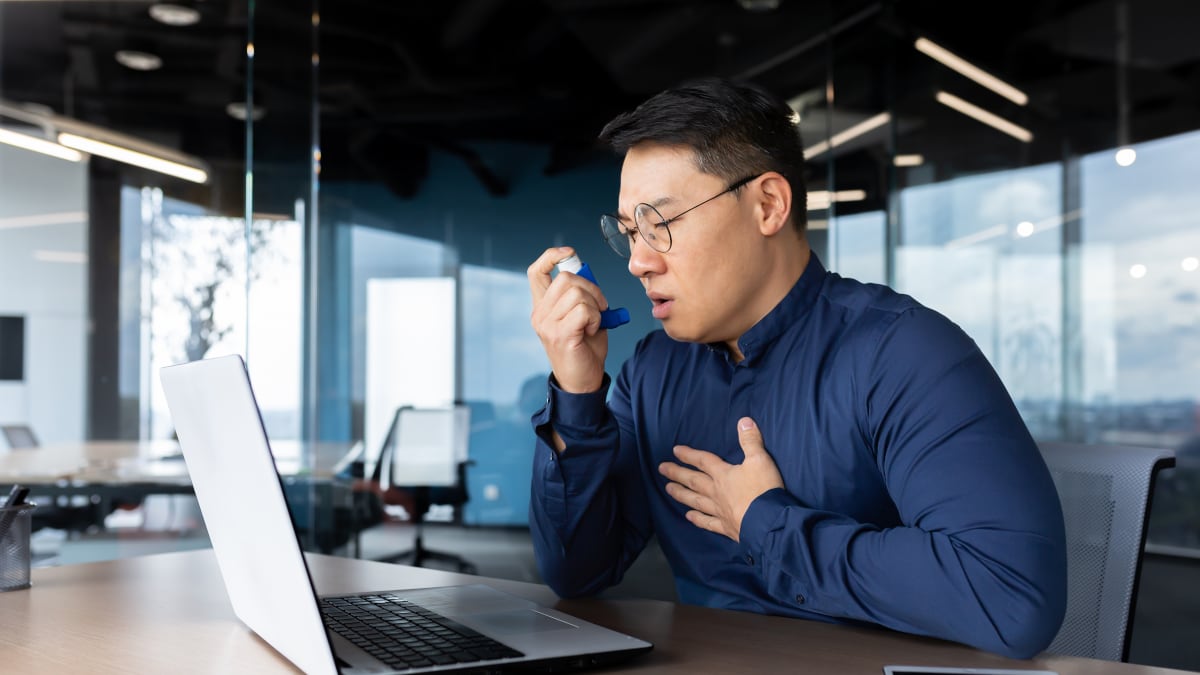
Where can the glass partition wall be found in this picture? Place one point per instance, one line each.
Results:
(1032, 176)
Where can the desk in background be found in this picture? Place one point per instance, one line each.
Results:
(169, 613)
(322, 504)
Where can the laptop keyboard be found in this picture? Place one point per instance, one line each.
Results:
(404, 635)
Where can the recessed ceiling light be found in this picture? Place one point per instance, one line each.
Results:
(174, 15)
(237, 110)
(136, 60)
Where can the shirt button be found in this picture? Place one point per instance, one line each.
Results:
(749, 559)
(799, 599)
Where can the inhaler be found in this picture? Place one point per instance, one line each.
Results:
(609, 318)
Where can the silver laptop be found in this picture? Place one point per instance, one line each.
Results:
(447, 629)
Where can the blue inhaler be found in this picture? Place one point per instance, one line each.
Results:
(609, 318)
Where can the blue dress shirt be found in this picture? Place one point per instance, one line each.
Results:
(914, 496)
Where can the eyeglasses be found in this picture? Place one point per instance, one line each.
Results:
(650, 224)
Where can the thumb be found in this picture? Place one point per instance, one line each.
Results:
(749, 437)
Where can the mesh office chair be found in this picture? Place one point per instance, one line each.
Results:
(424, 462)
(1105, 494)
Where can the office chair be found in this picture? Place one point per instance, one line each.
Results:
(424, 462)
(18, 436)
(1105, 493)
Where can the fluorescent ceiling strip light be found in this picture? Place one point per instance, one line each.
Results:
(821, 199)
(42, 219)
(953, 62)
(982, 235)
(61, 256)
(995, 121)
(851, 133)
(909, 160)
(120, 154)
(39, 145)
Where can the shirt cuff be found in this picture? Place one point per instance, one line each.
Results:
(582, 414)
(764, 515)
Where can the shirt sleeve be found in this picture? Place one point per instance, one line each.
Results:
(588, 514)
(980, 554)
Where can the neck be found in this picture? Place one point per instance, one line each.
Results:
(775, 288)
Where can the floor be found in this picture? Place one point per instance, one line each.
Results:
(1166, 622)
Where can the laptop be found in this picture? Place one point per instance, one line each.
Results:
(471, 627)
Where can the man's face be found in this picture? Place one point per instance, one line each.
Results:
(703, 288)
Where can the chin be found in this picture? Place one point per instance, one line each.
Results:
(681, 334)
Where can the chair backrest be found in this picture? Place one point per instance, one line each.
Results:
(426, 447)
(1105, 493)
(19, 436)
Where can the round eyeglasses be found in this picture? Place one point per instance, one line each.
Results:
(650, 224)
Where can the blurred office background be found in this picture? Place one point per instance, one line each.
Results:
(304, 153)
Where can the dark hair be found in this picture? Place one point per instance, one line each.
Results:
(736, 129)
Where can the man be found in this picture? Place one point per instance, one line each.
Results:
(802, 444)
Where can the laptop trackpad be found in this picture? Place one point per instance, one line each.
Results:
(516, 622)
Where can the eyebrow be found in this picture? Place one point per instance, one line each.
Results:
(657, 203)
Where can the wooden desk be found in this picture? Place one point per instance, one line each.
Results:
(169, 614)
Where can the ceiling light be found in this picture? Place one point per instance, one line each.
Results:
(174, 15)
(759, 5)
(976, 237)
(1025, 229)
(953, 62)
(843, 136)
(1126, 156)
(819, 200)
(44, 219)
(120, 154)
(60, 256)
(237, 110)
(39, 145)
(1137, 271)
(995, 121)
(909, 160)
(1190, 264)
(135, 60)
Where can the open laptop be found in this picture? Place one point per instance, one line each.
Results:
(448, 629)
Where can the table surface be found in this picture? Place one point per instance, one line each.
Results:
(160, 462)
(169, 613)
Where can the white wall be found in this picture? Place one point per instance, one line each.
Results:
(43, 277)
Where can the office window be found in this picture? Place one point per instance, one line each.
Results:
(189, 282)
(985, 251)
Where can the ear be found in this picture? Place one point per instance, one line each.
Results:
(774, 204)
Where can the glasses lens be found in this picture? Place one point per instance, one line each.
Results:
(615, 234)
(653, 227)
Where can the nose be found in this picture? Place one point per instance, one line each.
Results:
(643, 260)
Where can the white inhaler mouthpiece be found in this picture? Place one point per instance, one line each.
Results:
(609, 318)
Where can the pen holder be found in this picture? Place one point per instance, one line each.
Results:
(15, 556)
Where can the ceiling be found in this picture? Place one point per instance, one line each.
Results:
(398, 80)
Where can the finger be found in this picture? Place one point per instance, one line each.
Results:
(539, 271)
(701, 459)
(749, 437)
(682, 475)
(705, 521)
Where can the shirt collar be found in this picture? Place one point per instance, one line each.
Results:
(794, 305)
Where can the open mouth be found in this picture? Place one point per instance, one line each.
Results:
(661, 306)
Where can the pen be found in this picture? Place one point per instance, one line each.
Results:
(16, 497)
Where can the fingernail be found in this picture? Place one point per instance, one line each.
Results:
(745, 424)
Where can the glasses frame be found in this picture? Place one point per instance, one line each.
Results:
(622, 239)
